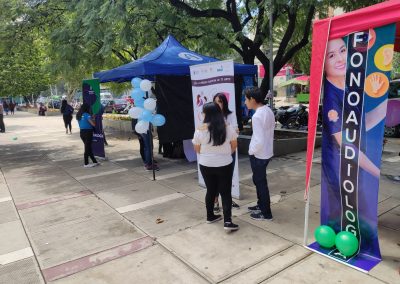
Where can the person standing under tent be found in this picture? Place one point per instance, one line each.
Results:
(86, 125)
(215, 141)
(67, 111)
(230, 119)
(260, 151)
(2, 126)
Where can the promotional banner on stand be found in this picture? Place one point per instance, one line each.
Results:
(356, 74)
(91, 96)
(208, 80)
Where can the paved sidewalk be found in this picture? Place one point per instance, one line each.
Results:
(61, 223)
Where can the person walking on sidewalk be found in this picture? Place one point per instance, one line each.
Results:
(67, 111)
(215, 141)
(2, 126)
(260, 151)
(12, 107)
(86, 124)
(230, 119)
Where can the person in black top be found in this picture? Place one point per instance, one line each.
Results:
(67, 111)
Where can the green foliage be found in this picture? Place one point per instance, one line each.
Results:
(23, 58)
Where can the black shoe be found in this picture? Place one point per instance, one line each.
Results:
(216, 207)
(260, 216)
(214, 219)
(254, 209)
(235, 205)
(229, 226)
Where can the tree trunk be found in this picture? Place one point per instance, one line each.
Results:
(265, 83)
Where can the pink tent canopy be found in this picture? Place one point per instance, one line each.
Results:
(303, 78)
(323, 30)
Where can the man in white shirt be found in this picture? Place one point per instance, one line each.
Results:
(260, 151)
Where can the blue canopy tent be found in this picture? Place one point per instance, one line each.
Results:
(170, 58)
(168, 65)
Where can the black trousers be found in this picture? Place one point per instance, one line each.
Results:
(87, 137)
(67, 122)
(2, 127)
(218, 180)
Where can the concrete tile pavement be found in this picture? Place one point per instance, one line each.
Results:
(90, 233)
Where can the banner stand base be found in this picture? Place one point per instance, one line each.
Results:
(372, 262)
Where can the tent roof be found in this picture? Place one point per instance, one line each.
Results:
(170, 58)
(301, 80)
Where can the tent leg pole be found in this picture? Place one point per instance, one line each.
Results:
(306, 216)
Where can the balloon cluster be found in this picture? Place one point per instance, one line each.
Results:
(345, 242)
(144, 109)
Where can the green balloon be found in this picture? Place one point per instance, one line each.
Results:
(325, 236)
(346, 243)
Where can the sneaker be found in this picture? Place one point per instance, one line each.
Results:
(96, 164)
(229, 226)
(254, 209)
(260, 216)
(89, 166)
(216, 207)
(235, 205)
(214, 219)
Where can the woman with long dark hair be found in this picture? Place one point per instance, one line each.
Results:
(215, 141)
(230, 119)
(67, 111)
(86, 124)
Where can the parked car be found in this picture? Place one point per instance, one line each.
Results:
(118, 106)
(394, 94)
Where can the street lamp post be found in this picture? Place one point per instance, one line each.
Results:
(271, 57)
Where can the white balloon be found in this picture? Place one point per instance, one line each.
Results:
(135, 112)
(142, 127)
(150, 104)
(145, 85)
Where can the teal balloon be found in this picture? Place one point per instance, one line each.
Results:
(325, 236)
(146, 115)
(158, 120)
(346, 243)
(139, 102)
(137, 94)
(136, 82)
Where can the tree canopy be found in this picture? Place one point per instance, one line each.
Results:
(47, 41)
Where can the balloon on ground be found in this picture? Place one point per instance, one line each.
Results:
(346, 243)
(325, 236)
(150, 104)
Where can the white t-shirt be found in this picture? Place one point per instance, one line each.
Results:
(262, 140)
(214, 156)
(232, 121)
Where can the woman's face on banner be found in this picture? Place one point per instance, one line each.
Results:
(336, 57)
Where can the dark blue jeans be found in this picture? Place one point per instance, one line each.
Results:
(146, 148)
(259, 168)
